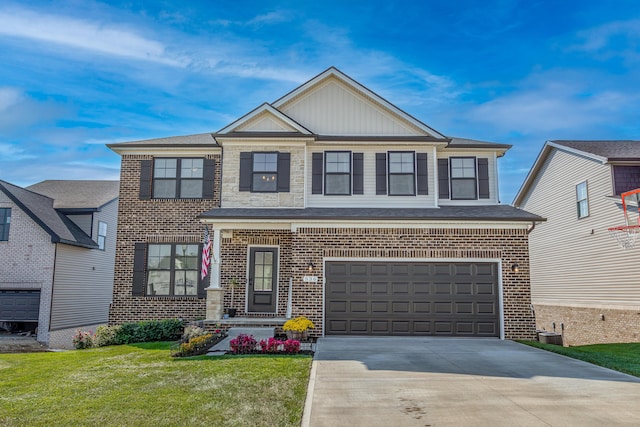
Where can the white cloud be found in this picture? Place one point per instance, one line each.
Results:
(11, 152)
(618, 38)
(99, 37)
(8, 98)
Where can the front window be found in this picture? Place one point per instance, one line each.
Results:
(337, 173)
(402, 179)
(463, 178)
(265, 173)
(172, 269)
(5, 221)
(177, 178)
(582, 200)
(102, 235)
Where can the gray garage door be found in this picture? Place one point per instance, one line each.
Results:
(400, 298)
(19, 306)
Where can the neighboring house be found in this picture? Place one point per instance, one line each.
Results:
(330, 203)
(581, 281)
(57, 247)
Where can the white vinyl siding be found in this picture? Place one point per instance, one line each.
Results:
(83, 281)
(575, 261)
(369, 197)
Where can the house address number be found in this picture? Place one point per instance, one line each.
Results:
(310, 279)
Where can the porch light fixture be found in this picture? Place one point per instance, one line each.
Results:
(515, 268)
(310, 267)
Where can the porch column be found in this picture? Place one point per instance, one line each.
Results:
(215, 292)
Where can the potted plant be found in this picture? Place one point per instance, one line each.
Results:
(231, 311)
(298, 328)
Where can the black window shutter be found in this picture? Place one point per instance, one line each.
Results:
(246, 169)
(443, 178)
(316, 173)
(381, 173)
(284, 171)
(209, 170)
(483, 178)
(358, 173)
(423, 177)
(146, 169)
(203, 284)
(138, 286)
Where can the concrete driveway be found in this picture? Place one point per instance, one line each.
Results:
(423, 381)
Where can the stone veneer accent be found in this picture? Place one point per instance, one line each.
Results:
(154, 220)
(589, 325)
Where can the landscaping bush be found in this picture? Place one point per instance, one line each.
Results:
(196, 341)
(149, 330)
(243, 344)
(82, 339)
(105, 335)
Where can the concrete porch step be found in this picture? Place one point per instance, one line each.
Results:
(223, 346)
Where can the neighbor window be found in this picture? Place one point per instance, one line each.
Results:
(265, 173)
(5, 221)
(172, 269)
(337, 178)
(402, 179)
(582, 200)
(177, 178)
(463, 178)
(102, 235)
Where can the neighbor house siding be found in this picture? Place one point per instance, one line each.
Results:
(83, 281)
(369, 198)
(154, 220)
(27, 260)
(576, 261)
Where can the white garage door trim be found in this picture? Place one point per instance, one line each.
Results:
(497, 261)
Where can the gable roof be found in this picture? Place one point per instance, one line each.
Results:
(603, 151)
(40, 208)
(80, 194)
(288, 124)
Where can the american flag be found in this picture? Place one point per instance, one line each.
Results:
(206, 256)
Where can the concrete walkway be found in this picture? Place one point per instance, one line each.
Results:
(422, 381)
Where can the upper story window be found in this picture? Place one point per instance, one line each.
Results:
(172, 269)
(463, 178)
(5, 221)
(625, 178)
(402, 179)
(102, 235)
(177, 178)
(264, 172)
(582, 200)
(337, 179)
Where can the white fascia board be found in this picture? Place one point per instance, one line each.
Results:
(263, 141)
(265, 107)
(601, 159)
(168, 151)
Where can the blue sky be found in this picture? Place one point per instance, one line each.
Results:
(78, 74)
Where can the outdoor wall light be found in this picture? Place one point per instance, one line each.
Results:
(515, 268)
(310, 267)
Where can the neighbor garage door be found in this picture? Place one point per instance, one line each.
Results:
(400, 298)
(19, 306)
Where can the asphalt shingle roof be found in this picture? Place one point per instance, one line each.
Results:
(611, 149)
(77, 194)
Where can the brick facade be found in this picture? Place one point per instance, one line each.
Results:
(589, 325)
(154, 220)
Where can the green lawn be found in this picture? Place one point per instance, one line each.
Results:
(141, 385)
(620, 357)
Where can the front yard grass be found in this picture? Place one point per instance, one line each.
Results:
(141, 385)
(620, 357)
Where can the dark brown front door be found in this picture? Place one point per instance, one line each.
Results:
(405, 298)
(263, 279)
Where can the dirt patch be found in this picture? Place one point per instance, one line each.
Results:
(11, 343)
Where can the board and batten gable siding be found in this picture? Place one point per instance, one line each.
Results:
(493, 198)
(332, 108)
(575, 261)
(83, 282)
(232, 197)
(369, 198)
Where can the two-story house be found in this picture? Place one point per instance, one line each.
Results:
(330, 203)
(57, 252)
(583, 284)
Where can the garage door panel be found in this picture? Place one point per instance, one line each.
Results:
(429, 299)
(19, 306)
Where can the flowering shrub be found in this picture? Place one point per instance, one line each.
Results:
(82, 339)
(291, 346)
(299, 324)
(271, 345)
(106, 335)
(192, 331)
(243, 344)
(196, 344)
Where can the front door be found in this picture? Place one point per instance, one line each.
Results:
(262, 279)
